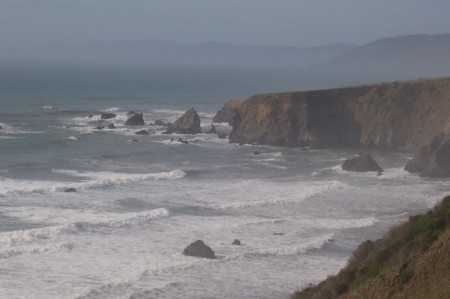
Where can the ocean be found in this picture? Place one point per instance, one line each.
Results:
(140, 200)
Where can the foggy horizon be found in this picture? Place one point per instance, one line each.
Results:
(29, 24)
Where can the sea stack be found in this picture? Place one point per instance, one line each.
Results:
(188, 123)
(135, 120)
(363, 163)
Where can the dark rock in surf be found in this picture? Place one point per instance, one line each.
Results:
(188, 123)
(131, 112)
(70, 190)
(167, 125)
(212, 130)
(278, 234)
(99, 128)
(363, 163)
(134, 140)
(142, 132)
(111, 126)
(236, 242)
(183, 141)
(433, 159)
(256, 153)
(135, 120)
(107, 115)
(199, 249)
(160, 123)
(222, 136)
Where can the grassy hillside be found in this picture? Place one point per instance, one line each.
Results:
(411, 261)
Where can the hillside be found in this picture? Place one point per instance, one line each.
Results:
(411, 261)
(398, 115)
(404, 57)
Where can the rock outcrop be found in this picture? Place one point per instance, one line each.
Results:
(188, 123)
(107, 115)
(228, 113)
(199, 249)
(433, 159)
(398, 115)
(70, 190)
(135, 120)
(363, 163)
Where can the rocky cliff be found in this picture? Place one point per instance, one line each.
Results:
(397, 115)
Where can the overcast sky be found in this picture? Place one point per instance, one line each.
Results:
(25, 23)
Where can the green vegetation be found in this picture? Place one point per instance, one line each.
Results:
(411, 261)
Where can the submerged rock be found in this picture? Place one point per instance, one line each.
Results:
(107, 115)
(142, 132)
(182, 141)
(99, 128)
(199, 249)
(70, 190)
(222, 136)
(111, 126)
(256, 153)
(135, 120)
(188, 123)
(433, 159)
(363, 163)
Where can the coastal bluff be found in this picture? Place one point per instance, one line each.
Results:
(397, 115)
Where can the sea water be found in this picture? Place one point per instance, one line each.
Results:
(140, 200)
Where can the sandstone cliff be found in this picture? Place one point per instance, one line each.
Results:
(398, 115)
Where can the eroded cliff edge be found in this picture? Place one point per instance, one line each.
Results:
(397, 115)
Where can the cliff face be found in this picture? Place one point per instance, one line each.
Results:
(394, 115)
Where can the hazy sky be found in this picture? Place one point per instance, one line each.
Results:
(25, 23)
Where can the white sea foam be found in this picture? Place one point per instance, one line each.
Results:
(109, 220)
(9, 129)
(74, 138)
(19, 250)
(281, 199)
(47, 107)
(307, 245)
(91, 180)
(112, 109)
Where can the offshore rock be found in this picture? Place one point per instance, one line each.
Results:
(433, 159)
(363, 163)
(199, 249)
(107, 115)
(236, 242)
(142, 132)
(135, 120)
(397, 115)
(70, 190)
(188, 123)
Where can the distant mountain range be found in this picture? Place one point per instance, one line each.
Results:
(403, 57)
(411, 56)
(150, 52)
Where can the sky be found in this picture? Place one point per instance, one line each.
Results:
(29, 23)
